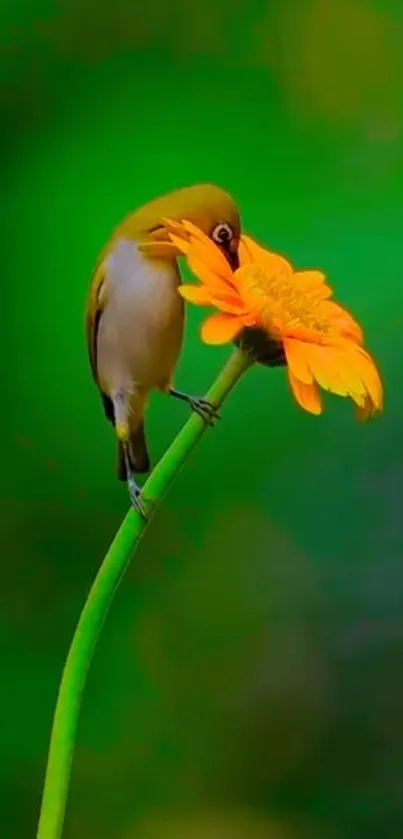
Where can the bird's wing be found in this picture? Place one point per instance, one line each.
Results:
(95, 306)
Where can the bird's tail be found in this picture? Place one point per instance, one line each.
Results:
(138, 453)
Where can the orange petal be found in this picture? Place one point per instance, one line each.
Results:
(313, 282)
(367, 410)
(245, 252)
(195, 244)
(210, 256)
(220, 328)
(197, 294)
(246, 280)
(323, 364)
(186, 230)
(309, 279)
(228, 302)
(182, 244)
(348, 370)
(297, 361)
(201, 296)
(349, 375)
(306, 395)
(195, 231)
(370, 377)
(346, 323)
(216, 284)
(250, 251)
(175, 227)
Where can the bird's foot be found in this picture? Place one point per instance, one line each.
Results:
(208, 412)
(203, 407)
(136, 500)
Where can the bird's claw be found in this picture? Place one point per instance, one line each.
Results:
(205, 409)
(136, 499)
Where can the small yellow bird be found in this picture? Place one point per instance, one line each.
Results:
(135, 315)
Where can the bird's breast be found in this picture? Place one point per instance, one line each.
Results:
(140, 330)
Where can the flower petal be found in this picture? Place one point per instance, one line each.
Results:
(210, 256)
(248, 280)
(347, 370)
(156, 247)
(366, 411)
(195, 244)
(197, 294)
(211, 278)
(313, 282)
(272, 262)
(249, 251)
(220, 328)
(306, 395)
(309, 279)
(323, 364)
(275, 264)
(245, 251)
(349, 375)
(195, 231)
(175, 227)
(201, 296)
(227, 302)
(370, 377)
(295, 352)
(213, 256)
(183, 245)
(345, 322)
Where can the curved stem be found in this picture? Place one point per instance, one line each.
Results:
(99, 600)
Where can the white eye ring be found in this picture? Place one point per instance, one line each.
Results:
(222, 233)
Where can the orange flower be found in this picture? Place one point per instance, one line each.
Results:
(323, 344)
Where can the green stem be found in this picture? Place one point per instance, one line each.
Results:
(99, 600)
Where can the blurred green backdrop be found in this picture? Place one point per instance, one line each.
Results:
(252, 658)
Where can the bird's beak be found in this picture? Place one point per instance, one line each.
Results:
(231, 254)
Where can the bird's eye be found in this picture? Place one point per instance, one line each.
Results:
(222, 234)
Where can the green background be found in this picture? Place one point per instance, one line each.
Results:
(252, 660)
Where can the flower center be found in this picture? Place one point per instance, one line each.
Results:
(283, 306)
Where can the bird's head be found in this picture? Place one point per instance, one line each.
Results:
(210, 208)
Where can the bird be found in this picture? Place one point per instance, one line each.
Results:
(135, 315)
